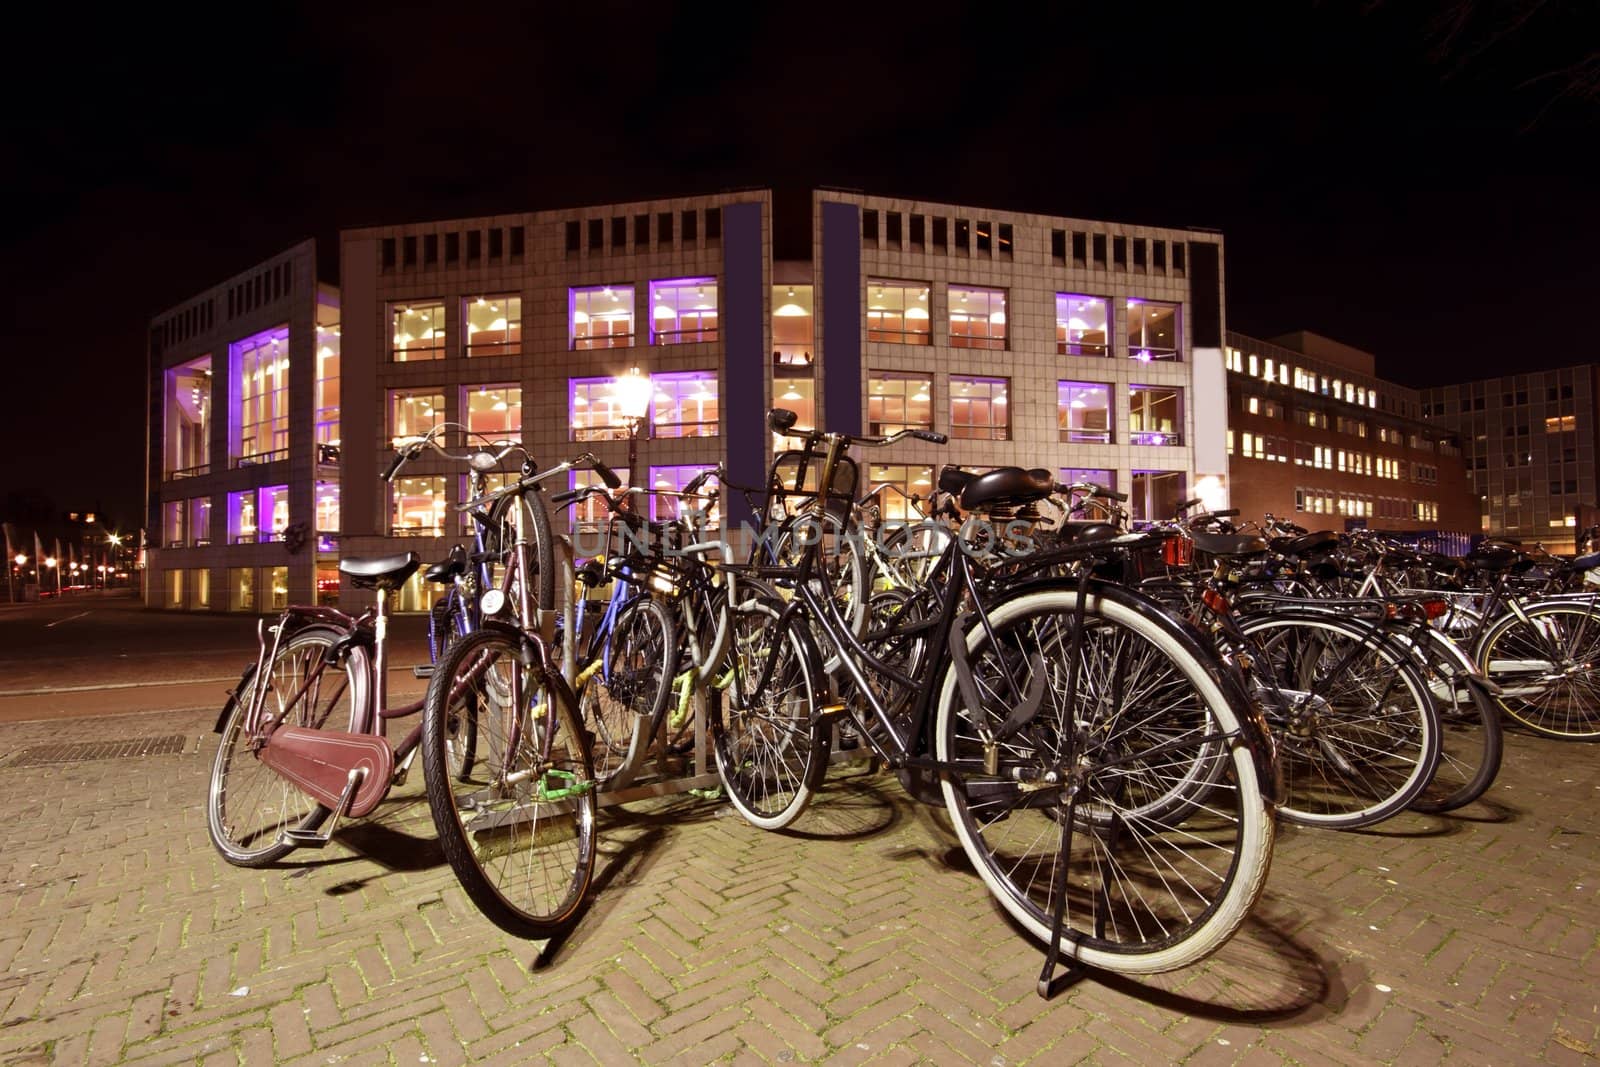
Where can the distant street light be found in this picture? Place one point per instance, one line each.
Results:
(20, 559)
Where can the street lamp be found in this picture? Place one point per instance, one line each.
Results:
(633, 394)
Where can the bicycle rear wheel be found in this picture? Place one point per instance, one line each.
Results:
(509, 783)
(1470, 738)
(1167, 838)
(248, 805)
(1358, 735)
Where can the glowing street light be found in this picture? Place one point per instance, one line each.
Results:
(633, 393)
(20, 559)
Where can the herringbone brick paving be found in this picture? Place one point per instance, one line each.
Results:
(862, 938)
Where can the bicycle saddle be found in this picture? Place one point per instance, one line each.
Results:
(1306, 544)
(446, 570)
(380, 572)
(1229, 544)
(953, 480)
(1008, 485)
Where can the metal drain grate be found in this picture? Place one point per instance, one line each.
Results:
(77, 752)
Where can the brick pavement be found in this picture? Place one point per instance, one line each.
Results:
(862, 938)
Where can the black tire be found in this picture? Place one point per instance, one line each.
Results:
(509, 783)
(1471, 741)
(1168, 853)
(1358, 737)
(1548, 668)
(499, 537)
(248, 805)
(770, 748)
(641, 659)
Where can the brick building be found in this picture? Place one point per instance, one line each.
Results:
(1315, 436)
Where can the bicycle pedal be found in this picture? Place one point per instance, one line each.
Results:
(422, 670)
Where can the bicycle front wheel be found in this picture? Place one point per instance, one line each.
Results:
(509, 783)
(499, 538)
(770, 749)
(1145, 788)
(248, 805)
(1548, 668)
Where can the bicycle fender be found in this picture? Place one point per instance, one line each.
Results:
(233, 699)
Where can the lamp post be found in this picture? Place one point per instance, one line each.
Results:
(19, 559)
(633, 392)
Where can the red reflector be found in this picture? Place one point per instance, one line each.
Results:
(1435, 607)
(1215, 601)
(1177, 551)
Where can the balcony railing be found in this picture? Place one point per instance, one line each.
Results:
(261, 458)
(189, 472)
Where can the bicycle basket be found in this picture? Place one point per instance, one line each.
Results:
(796, 478)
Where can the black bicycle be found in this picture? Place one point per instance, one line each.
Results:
(1102, 769)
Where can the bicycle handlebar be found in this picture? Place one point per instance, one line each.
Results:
(481, 460)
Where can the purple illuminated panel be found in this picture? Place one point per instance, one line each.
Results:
(260, 375)
(685, 404)
(1155, 415)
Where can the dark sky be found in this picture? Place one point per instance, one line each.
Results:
(1425, 194)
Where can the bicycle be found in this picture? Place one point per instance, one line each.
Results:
(303, 732)
(1104, 776)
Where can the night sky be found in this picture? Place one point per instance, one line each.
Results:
(1416, 179)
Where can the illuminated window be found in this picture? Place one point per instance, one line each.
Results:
(798, 395)
(792, 325)
(491, 481)
(413, 413)
(277, 579)
(242, 517)
(493, 325)
(593, 411)
(1155, 415)
(591, 514)
(683, 311)
(200, 589)
(600, 316)
(174, 524)
(326, 401)
(1156, 494)
(172, 590)
(188, 419)
(899, 483)
(272, 513)
(1101, 476)
(260, 374)
(1083, 411)
(199, 521)
(979, 408)
(1081, 326)
(897, 312)
(685, 404)
(668, 480)
(1153, 332)
(977, 317)
(241, 589)
(899, 402)
(493, 410)
(1559, 423)
(419, 506)
(326, 504)
(417, 332)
